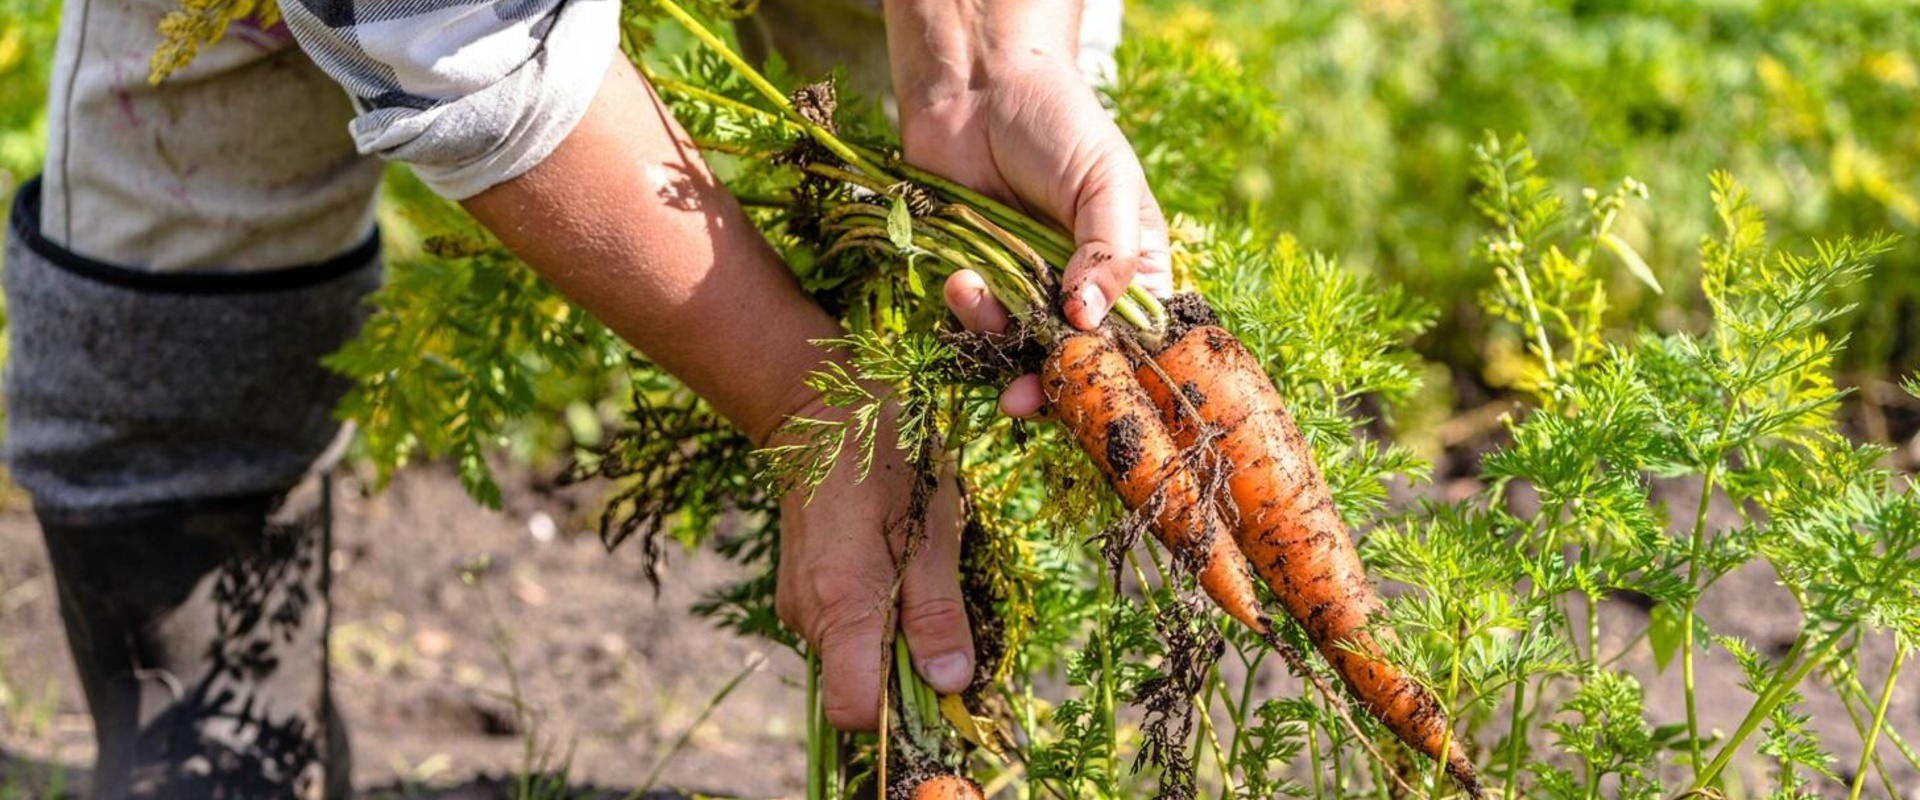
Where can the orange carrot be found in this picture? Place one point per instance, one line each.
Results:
(1091, 388)
(1287, 526)
(948, 787)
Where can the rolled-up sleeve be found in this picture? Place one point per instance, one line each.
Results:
(471, 93)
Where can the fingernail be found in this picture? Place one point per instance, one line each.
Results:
(1094, 300)
(949, 673)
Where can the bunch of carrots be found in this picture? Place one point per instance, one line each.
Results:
(1170, 406)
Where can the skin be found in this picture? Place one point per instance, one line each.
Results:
(625, 218)
(990, 96)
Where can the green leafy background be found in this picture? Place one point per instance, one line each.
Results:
(1663, 237)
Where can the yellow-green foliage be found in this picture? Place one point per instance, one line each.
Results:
(198, 23)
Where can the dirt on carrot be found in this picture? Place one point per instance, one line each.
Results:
(1287, 526)
(1091, 388)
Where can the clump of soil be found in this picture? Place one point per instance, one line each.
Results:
(992, 359)
(1123, 444)
(1188, 310)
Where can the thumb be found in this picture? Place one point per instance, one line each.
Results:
(933, 612)
(1106, 238)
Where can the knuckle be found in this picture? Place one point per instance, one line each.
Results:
(936, 616)
(838, 604)
(847, 713)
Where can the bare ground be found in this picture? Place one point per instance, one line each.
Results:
(612, 674)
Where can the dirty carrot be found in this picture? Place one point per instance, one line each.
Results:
(1091, 388)
(1284, 521)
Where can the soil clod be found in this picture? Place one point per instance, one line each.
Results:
(1123, 444)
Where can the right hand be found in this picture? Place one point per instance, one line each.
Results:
(1036, 136)
(838, 552)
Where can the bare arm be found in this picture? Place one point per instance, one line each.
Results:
(626, 219)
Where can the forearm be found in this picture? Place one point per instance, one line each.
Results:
(942, 48)
(625, 218)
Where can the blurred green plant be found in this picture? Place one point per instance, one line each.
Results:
(1351, 125)
(27, 32)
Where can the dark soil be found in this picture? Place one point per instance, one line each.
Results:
(1188, 310)
(1123, 444)
(612, 674)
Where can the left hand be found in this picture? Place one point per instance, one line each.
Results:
(839, 546)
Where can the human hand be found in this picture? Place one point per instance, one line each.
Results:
(1030, 132)
(838, 552)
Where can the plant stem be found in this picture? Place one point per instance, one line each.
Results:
(1380, 783)
(1516, 738)
(1533, 317)
(1453, 693)
(1107, 595)
(1593, 627)
(1313, 757)
(1766, 702)
(1879, 721)
(816, 783)
(1213, 741)
(1136, 306)
(1335, 738)
(1246, 698)
(1054, 245)
(1139, 309)
(866, 182)
(760, 84)
(1853, 692)
(1849, 691)
(1693, 598)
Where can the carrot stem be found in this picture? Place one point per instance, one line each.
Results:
(1313, 758)
(1515, 738)
(767, 90)
(1879, 721)
(816, 767)
(1853, 692)
(1137, 307)
(1782, 683)
(1107, 595)
(866, 182)
(1056, 245)
(1453, 694)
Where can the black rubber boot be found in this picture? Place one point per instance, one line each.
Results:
(199, 632)
(173, 430)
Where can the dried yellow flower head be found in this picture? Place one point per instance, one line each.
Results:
(198, 23)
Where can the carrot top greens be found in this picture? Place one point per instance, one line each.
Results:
(1574, 560)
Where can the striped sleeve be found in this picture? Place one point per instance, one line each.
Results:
(470, 93)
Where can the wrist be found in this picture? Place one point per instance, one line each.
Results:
(797, 400)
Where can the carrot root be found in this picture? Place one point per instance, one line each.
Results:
(1289, 530)
(1091, 387)
(948, 787)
